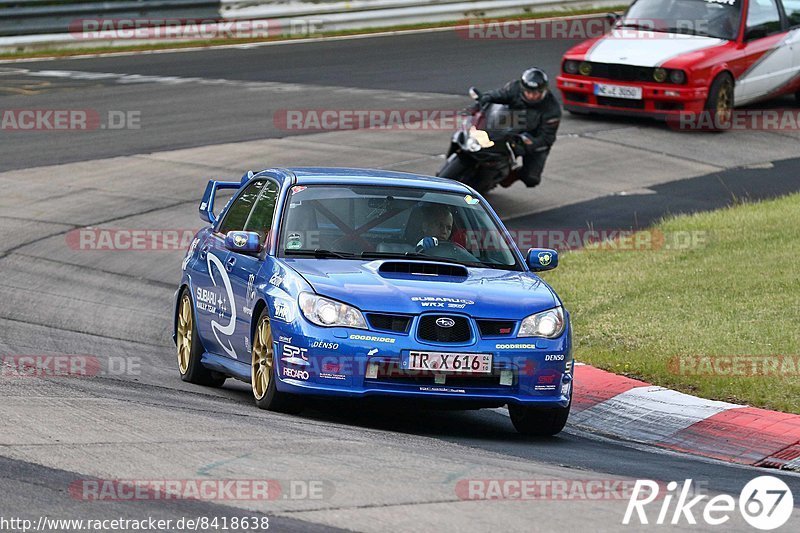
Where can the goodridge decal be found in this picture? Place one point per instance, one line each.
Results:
(371, 338)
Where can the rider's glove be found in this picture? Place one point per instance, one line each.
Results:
(485, 100)
(427, 243)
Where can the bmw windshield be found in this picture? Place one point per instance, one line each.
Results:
(377, 222)
(709, 18)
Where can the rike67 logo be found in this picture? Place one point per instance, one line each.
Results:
(766, 503)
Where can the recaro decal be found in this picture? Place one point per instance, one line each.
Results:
(216, 327)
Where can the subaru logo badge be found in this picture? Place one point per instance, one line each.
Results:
(445, 322)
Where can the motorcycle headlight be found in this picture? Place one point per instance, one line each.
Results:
(473, 145)
(548, 324)
(330, 313)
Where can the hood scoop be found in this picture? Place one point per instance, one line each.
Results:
(426, 270)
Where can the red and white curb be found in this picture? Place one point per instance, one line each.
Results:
(628, 409)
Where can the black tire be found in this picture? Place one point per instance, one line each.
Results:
(190, 350)
(455, 169)
(263, 372)
(797, 97)
(537, 422)
(719, 104)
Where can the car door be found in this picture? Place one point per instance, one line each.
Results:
(766, 51)
(792, 10)
(215, 299)
(244, 268)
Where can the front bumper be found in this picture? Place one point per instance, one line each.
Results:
(359, 363)
(658, 100)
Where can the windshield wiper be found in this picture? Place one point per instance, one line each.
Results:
(320, 253)
(688, 31)
(637, 26)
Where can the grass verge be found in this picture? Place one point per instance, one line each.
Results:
(68, 52)
(720, 320)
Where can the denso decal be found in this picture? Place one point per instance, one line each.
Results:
(325, 345)
(372, 338)
(554, 357)
(216, 327)
(295, 374)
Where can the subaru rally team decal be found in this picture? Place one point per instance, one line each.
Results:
(216, 327)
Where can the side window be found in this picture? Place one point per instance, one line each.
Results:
(260, 219)
(763, 19)
(792, 8)
(239, 211)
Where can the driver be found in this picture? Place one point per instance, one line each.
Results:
(542, 114)
(437, 224)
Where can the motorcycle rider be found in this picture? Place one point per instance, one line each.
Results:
(542, 115)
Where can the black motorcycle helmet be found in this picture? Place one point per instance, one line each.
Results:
(534, 85)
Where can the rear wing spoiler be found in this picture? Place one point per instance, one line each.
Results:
(207, 205)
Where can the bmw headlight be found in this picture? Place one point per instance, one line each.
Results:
(548, 324)
(571, 66)
(678, 77)
(329, 313)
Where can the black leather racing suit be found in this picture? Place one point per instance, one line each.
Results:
(542, 120)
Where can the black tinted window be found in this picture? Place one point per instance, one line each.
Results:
(792, 11)
(237, 214)
(763, 19)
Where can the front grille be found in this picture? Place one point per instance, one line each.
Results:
(428, 329)
(395, 323)
(620, 102)
(495, 328)
(622, 72)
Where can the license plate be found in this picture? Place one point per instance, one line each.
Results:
(618, 91)
(450, 362)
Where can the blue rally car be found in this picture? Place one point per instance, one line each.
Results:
(365, 283)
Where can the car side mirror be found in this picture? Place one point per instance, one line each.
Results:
(542, 259)
(243, 242)
(612, 19)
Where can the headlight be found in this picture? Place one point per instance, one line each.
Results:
(585, 68)
(473, 145)
(678, 77)
(571, 67)
(660, 75)
(329, 313)
(548, 324)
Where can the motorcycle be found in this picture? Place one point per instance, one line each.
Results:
(481, 153)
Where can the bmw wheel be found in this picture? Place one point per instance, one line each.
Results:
(263, 375)
(190, 351)
(720, 102)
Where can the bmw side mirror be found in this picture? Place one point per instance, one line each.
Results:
(612, 18)
(542, 259)
(243, 242)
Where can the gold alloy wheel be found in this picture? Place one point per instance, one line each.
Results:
(262, 359)
(185, 333)
(724, 104)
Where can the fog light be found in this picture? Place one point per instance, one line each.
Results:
(671, 93)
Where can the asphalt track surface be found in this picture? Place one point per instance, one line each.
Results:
(382, 468)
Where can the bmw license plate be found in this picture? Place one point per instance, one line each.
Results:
(618, 91)
(450, 362)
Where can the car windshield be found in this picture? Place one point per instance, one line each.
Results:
(375, 222)
(711, 18)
